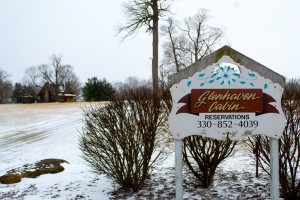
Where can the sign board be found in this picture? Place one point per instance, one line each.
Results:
(226, 98)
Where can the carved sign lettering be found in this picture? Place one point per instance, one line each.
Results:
(226, 100)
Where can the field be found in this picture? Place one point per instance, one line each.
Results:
(32, 132)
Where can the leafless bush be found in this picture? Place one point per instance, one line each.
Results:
(123, 138)
(202, 156)
(289, 144)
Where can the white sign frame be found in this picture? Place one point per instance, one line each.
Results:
(241, 124)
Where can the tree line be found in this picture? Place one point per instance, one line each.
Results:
(185, 43)
(59, 77)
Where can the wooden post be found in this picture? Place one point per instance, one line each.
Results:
(178, 168)
(274, 165)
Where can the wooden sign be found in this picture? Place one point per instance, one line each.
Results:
(226, 97)
(226, 100)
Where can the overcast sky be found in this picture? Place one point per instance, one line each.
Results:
(84, 32)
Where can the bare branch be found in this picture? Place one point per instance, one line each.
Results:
(140, 13)
(189, 42)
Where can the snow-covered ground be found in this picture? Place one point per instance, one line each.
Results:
(32, 132)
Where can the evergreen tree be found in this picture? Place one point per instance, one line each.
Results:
(22, 90)
(98, 90)
(17, 93)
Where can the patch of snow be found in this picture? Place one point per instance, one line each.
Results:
(32, 132)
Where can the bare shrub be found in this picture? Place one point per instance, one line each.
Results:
(289, 144)
(122, 138)
(202, 156)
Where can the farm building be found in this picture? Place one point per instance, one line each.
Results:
(67, 98)
(47, 94)
(28, 99)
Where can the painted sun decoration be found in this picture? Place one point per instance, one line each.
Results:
(225, 99)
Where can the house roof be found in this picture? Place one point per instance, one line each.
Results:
(67, 95)
(47, 86)
(237, 57)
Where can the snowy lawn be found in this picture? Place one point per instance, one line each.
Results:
(32, 132)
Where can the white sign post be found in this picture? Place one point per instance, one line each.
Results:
(274, 165)
(226, 97)
(178, 168)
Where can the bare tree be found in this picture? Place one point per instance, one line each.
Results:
(5, 87)
(3, 75)
(72, 84)
(146, 13)
(189, 42)
(131, 83)
(57, 74)
(172, 49)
